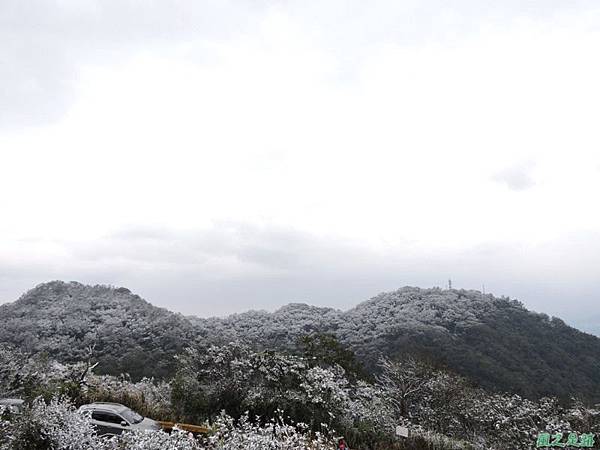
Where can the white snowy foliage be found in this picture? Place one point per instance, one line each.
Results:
(325, 386)
(152, 440)
(370, 405)
(233, 376)
(409, 308)
(584, 417)
(403, 381)
(275, 435)
(148, 396)
(55, 424)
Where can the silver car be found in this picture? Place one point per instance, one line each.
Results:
(12, 405)
(114, 418)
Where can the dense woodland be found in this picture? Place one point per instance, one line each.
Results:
(495, 342)
(263, 399)
(460, 369)
(128, 334)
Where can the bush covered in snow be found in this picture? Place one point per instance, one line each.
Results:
(275, 434)
(264, 399)
(236, 379)
(149, 397)
(54, 425)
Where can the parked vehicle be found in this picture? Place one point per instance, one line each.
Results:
(12, 405)
(114, 418)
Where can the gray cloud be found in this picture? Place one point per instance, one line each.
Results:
(233, 267)
(45, 44)
(270, 249)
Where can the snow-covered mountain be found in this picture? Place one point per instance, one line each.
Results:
(494, 341)
(127, 333)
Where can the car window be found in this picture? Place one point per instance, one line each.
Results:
(131, 416)
(102, 416)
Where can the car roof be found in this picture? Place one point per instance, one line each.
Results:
(11, 401)
(105, 406)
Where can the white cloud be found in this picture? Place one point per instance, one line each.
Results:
(517, 177)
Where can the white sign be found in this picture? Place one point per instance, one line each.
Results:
(401, 431)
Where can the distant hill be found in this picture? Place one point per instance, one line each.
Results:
(129, 335)
(494, 341)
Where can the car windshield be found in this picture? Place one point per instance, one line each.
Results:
(131, 416)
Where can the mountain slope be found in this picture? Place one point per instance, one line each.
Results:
(128, 333)
(496, 342)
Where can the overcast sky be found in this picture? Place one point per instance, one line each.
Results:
(218, 156)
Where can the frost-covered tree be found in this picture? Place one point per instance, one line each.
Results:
(11, 365)
(584, 417)
(211, 379)
(54, 426)
(403, 381)
(236, 379)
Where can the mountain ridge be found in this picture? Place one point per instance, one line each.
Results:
(494, 341)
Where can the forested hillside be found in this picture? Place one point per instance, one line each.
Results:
(495, 342)
(125, 333)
